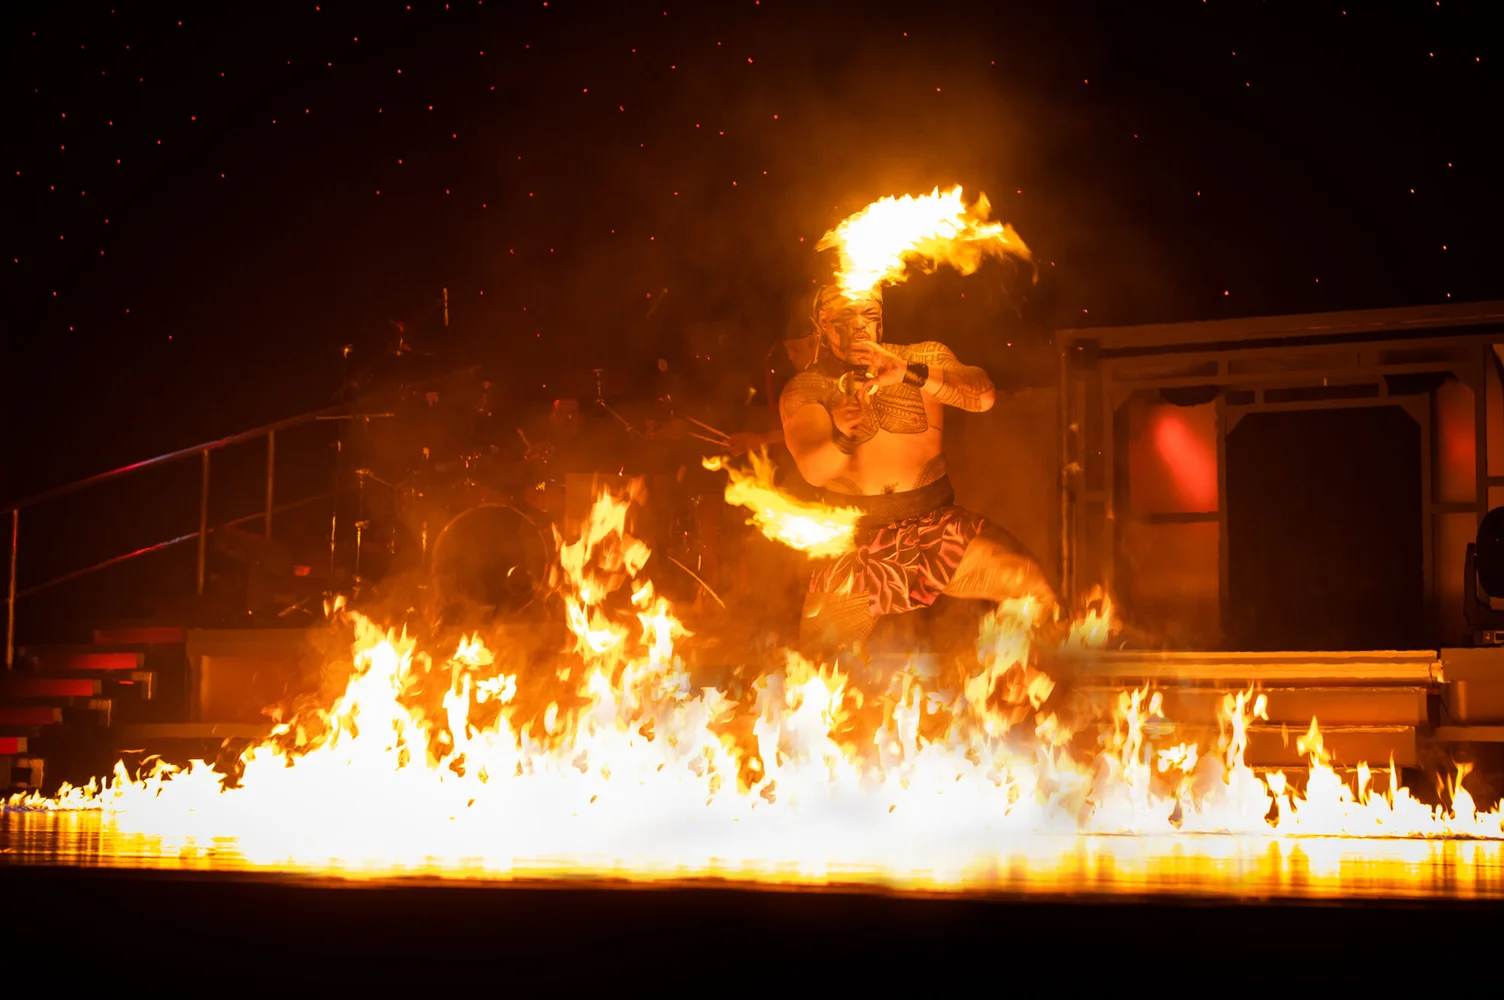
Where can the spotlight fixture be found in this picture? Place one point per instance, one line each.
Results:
(1483, 571)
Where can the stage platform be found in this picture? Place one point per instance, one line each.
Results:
(1067, 912)
(202, 923)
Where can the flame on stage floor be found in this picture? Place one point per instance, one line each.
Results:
(614, 764)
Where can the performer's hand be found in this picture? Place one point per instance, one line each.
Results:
(847, 415)
(886, 367)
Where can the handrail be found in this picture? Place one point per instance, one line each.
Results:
(172, 456)
(203, 451)
(68, 577)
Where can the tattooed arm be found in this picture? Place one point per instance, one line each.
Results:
(965, 387)
(817, 437)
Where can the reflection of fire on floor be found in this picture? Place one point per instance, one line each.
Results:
(1031, 865)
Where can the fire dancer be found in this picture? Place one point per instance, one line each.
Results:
(864, 423)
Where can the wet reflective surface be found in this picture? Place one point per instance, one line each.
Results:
(1202, 866)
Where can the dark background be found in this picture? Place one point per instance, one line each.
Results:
(204, 205)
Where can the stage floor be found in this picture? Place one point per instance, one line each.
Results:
(1204, 867)
(1085, 914)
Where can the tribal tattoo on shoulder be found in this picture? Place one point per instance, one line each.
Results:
(802, 390)
(961, 386)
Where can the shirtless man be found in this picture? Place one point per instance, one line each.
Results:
(864, 423)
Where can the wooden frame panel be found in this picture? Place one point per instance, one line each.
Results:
(1123, 362)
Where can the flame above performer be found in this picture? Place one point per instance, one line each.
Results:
(876, 245)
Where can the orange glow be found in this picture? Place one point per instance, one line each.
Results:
(613, 762)
(1457, 456)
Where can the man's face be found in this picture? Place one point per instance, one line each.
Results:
(844, 323)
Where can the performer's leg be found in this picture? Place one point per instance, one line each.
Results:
(995, 567)
(833, 620)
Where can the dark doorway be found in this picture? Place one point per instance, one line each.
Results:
(1324, 531)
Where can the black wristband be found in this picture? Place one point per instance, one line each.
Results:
(916, 373)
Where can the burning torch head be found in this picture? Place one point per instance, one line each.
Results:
(843, 321)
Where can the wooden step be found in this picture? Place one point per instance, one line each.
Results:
(139, 684)
(1276, 746)
(85, 712)
(65, 659)
(1350, 705)
(1418, 668)
(30, 715)
(34, 686)
(1468, 734)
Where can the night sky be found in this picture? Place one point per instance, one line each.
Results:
(206, 202)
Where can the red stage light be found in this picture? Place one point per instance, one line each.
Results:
(1192, 460)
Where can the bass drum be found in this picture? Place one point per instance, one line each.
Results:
(490, 560)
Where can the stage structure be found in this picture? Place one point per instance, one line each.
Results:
(1181, 441)
(1308, 482)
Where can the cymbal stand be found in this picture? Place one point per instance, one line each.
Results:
(600, 400)
(339, 446)
(360, 522)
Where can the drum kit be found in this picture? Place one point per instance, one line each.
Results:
(467, 497)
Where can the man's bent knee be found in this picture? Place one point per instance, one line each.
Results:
(995, 570)
(830, 621)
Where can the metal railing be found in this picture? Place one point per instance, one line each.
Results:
(202, 451)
